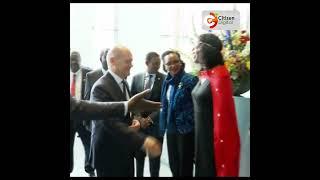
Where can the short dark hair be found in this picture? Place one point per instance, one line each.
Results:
(171, 52)
(210, 50)
(151, 55)
(75, 54)
(103, 54)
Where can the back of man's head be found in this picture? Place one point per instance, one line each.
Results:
(103, 58)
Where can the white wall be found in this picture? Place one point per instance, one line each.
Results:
(142, 27)
(91, 29)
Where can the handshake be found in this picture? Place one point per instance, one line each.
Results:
(140, 122)
(137, 103)
(151, 145)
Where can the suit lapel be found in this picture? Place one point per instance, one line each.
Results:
(114, 87)
(157, 84)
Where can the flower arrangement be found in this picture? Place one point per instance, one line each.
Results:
(236, 54)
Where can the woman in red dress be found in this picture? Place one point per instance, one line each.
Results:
(217, 140)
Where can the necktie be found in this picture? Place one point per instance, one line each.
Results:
(124, 90)
(148, 83)
(73, 85)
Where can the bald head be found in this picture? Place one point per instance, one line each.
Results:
(117, 52)
(120, 60)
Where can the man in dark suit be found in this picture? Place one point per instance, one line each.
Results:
(152, 79)
(91, 78)
(77, 85)
(81, 109)
(109, 157)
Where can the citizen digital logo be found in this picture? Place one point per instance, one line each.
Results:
(220, 20)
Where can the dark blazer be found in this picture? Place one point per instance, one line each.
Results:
(91, 78)
(137, 86)
(84, 70)
(104, 110)
(74, 123)
(108, 153)
(182, 104)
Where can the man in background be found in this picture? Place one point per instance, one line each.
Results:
(91, 78)
(151, 79)
(77, 86)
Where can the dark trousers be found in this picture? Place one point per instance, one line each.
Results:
(85, 137)
(154, 163)
(102, 173)
(181, 153)
(122, 168)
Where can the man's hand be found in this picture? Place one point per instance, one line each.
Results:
(135, 125)
(146, 122)
(137, 103)
(152, 147)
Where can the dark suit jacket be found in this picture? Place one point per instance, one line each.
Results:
(84, 70)
(91, 78)
(137, 86)
(108, 153)
(74, 123)
(104, 110)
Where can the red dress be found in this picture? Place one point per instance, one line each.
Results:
(226, 138)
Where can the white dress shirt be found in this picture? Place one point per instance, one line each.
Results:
(119, 82)
(146, 78)
(78, 83)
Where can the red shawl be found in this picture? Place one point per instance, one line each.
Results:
(226, 140)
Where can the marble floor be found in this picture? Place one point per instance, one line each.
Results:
(78, 170)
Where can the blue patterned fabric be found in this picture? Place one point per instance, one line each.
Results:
(181, 116)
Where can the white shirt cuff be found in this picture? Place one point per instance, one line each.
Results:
(125, 108)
